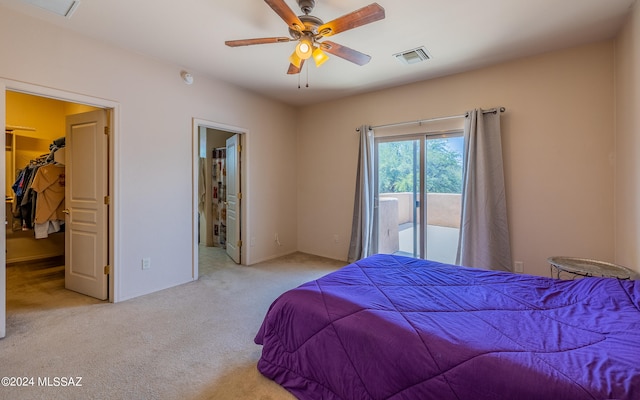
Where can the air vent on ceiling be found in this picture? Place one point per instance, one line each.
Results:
(64, 8)
(413, 56)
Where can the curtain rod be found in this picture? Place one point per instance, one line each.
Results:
(419, 122)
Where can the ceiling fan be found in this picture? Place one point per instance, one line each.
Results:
(309, 30)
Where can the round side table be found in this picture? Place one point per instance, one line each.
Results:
(581, 267)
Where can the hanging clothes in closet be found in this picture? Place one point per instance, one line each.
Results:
(39, 194)
(219, 194)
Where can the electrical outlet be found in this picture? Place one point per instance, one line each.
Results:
(336, 238)
(146, 263)
(518, 267)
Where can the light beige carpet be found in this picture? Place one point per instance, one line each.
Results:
(194, 341)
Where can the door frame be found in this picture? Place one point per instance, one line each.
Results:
(113, 167)
(245, 254)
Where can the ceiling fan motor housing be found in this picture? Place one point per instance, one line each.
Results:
(311, 25)
(306, 5)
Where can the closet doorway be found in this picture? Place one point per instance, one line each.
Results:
(80, 103)
(219, 210)
(57, 146)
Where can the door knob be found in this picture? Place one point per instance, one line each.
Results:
(66, 211)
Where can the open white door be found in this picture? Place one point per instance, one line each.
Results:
(233, 198)
(86, 190)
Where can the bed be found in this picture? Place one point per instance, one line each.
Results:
(391, 327)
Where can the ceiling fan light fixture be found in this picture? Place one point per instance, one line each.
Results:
(304, 49)
(295, 60)
(319, 56)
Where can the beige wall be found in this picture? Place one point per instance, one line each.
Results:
(153, 151)
(558, 143)
(627, 182)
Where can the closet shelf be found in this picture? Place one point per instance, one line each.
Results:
(11, 128)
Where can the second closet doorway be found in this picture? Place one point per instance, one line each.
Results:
(219, 195)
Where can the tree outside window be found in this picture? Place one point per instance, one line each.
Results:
(444, 166)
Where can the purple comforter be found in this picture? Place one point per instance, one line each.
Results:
(389, 327)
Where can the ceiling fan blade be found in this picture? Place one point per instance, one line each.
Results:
(366, 15)
(284, 11)
(345, 52)
(249, 42)
(295, 70)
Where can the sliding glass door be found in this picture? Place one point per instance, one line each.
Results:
(418, 195)
(398, 197)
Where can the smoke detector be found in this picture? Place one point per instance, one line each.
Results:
(413, 56)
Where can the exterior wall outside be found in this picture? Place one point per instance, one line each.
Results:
(388, 241)
(443, 209)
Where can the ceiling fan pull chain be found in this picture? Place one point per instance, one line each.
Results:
(307, 76)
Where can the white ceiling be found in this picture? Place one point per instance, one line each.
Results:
(460, 35)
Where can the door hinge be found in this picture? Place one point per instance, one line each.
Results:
(107, 269)
(239, 148)
(106, 130)
(239, 243)
(239, 196)
(107, 200)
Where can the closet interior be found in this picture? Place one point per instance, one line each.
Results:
(212, 204)
(34, 150)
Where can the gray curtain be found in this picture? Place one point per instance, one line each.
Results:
(363, 208)
(484, 232)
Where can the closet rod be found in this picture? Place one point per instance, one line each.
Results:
(419, 122)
